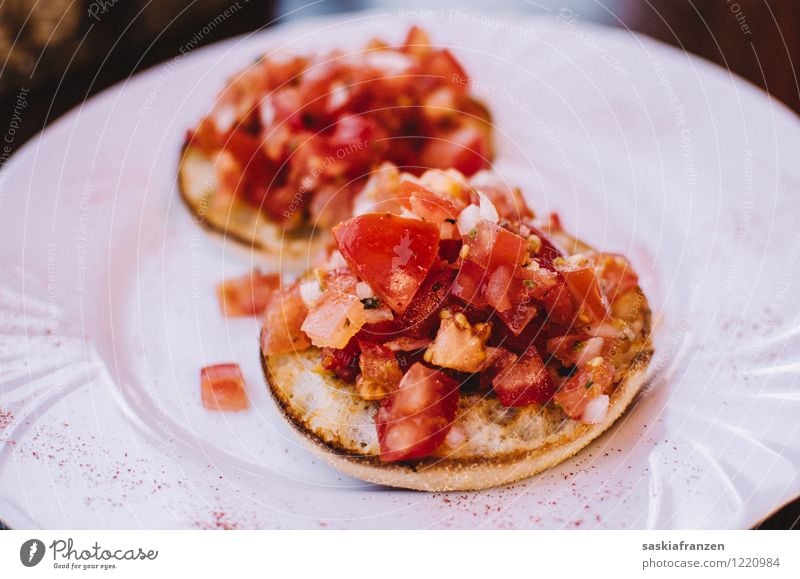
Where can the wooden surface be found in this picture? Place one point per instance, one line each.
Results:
(53, 64)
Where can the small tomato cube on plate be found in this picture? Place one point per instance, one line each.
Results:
(222, 388)
(247, 295)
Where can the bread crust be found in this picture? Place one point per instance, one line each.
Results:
(292, 378)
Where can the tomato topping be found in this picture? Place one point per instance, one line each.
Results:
(458, 344)
(222, 388)
(498, 360)
(464, 149)
(616, 273)
(491, 245)
(576, 349)
(247, 295)
(470, 283)
(380, 371)
(333, 320)
(283, 320)
(343, 362)
(429, 206)
(582, 283)
(414, 420)
(417, 42)
(591, 381)
(390, 253)
(524, 382)
(420, 316)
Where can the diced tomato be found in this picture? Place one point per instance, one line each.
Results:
(575, 349)
(491, 245)
(380, 371)
(498, 289)
(443, 64)
(222, 388)
(616, 273)
(561, 310)
(390, 253)
(421, 315)
(449, 249)
(343, 361)
(524, 382)
(497, 361)
(591, 381)
(464, 149)
(417, 42)
(470, 284)
(414, 420)
(508, 200)
(247, 295)
(283, 321)
(331, 320)
(548, 252)
(584, 287)
(428, 205)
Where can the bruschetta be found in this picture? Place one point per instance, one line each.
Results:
(291, 139)
(452, 340)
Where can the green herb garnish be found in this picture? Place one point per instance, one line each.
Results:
(589, 383)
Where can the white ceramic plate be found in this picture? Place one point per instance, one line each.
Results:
(107, 308)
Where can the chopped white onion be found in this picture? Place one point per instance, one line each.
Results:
(310, 292)
(456, 437)
(224, 117)
(591, 348)
(363, 291)
(338, 97)
(596, 410)
(487, 208)
(266, 111)
(336, 260)
(468, 219)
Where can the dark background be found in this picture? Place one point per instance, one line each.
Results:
(60, 52)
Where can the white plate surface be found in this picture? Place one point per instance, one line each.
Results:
(107, 306)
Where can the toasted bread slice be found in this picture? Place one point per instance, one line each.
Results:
(502, 445)
(241, 222)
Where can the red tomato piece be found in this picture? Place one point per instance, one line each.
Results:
(591, 381)
(283, 320)
(470, 283)
(464, 149)
(427, 205)
(585, 289)
(247, 295)
(380, 371)
(561, 310)
(343, 362)
(392, 254)
(417, 42)
(491, 245)
(444, 65)
(420, 316)
(414, 420)
(524, 382)
(222, 388)
(498, 360)
(498, 289)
